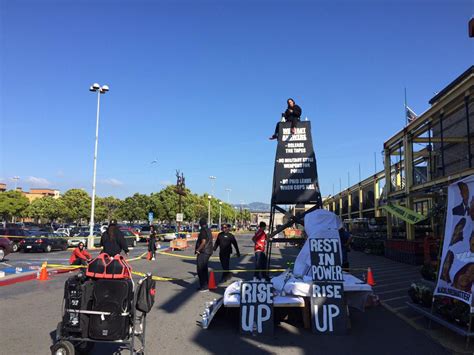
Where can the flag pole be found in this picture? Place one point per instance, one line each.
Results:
(405, 111)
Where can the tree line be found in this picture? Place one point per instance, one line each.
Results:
(75, 205)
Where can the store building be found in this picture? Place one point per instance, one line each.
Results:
(420, 161)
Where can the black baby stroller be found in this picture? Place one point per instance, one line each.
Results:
(106, 310)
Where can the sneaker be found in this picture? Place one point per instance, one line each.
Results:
(273, 137)
(204, 290)
(138, 329)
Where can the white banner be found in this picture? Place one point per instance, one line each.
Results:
(456, 275)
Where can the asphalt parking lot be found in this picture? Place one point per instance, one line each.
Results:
(31, 310)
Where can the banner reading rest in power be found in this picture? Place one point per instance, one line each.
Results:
(295, 178)
(456, 274)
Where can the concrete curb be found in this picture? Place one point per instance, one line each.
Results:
(30, 275)
(33, 275)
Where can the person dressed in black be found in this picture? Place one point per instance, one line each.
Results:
(112, 240)
(225, 240)
(345, 238)
(292, 114)
(152, 243)
(203, 252)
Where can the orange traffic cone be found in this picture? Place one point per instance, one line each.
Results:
(212, 281)
(370, 277)
(43, 276)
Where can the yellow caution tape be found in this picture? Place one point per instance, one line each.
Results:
(251, 270)
(183, 256)
(194, 257)
(138, 257)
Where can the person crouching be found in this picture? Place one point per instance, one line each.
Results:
(80, 256)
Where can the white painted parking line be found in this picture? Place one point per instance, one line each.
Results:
(390, 284)
(394, 298)
(397, 290)
(399, 308)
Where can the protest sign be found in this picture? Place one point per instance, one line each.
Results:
(456, 274)
(256, 307)
(328, 309)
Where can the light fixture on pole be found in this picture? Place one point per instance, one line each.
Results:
(228, 190)
(100, 90)
(220, 215)
(16, 178)
(209, 210)
(213, 179)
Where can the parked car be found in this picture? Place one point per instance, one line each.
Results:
(130, 238)
(6, 247)
(169, 236)
(46, 242)
(17, 235)
(67, 231)
(82, 237)
(145, 233)
(132, 231)
(253, 228)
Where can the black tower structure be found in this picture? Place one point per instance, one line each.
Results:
(295, 178)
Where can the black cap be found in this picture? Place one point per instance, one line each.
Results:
(202, 222)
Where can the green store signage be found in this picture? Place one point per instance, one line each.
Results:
(404, 213)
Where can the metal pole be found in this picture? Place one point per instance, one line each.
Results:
(16, 178)
(90, 242)
(220, 215)
(466, 105)
(405, 111)
(209, 211)
(375, 163)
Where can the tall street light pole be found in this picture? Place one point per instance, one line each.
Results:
(228, 190)
(220, 215)
(212, 178)
(16, 178)
(235, 216)
(209, 197)
(100, 90)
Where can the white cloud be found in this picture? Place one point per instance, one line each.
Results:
(112, 182)
(37, 181)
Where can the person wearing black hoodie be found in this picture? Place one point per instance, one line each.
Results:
(113, 241)
(203, 252)
(292, 114)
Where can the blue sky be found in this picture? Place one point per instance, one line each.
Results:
(199, 85)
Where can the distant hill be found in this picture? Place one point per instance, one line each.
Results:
(255, 206)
